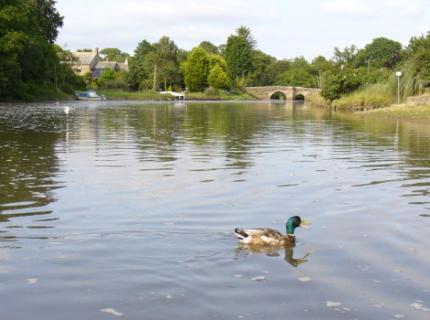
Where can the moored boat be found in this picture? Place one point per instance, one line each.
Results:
(89, 95)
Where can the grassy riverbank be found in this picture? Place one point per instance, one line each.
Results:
(138, 95)
(376, 104)
(156, 96)
(369, 98)
(403, 112)
(41, 94)
(218, 95)
(374, 97)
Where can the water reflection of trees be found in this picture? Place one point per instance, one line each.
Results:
(411, 140)
(231, 128)
(28, 162)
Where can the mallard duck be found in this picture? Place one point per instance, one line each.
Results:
(271, 237)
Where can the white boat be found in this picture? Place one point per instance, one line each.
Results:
(176, 95)
(89, 95)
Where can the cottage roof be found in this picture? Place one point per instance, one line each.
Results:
(85, 57)
(123, 66)
(106, 64)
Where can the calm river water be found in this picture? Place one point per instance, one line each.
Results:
(126, 210)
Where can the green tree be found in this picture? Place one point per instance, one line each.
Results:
(28, 29)
(114, 54)
(197, 69)
(238, 55)
(217, 60)
(336, 85)
(154, 62)
(345, 56)
(218, 78)
(262, 75)
(416, 67)
(333, 87)
(49, 20)
(143, 48)
(139, 70)
(64, 77)
(209, 47)
(167, 61)
(107, 74)
(320, 67)
(298, 74)
(275, 69)
(381, 52)
(246, 34)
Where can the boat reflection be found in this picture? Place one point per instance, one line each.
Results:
(273, 252)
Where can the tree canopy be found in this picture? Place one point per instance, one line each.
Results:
(28, 29)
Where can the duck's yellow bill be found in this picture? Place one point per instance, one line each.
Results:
(305, 223)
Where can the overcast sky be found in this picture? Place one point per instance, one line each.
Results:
(283, 28)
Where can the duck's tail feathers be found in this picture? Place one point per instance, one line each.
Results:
(240, 233)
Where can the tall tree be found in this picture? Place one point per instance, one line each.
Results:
(49, 20)
(417, 66)
(209, 47)
(167, 61)
(114, 54)
(298, 74)
(261, 76)
(139, 70)
(246, 33)
(381, 52)
(238, 55)
(345, 56)
(197, 69)
(218, 78)
(28, 29)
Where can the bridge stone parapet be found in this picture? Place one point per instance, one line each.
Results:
(290, 93)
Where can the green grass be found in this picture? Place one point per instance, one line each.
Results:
(138, 95)
(218, 95)
(403, 112)
(210, 94)
(374, 97)
(41, 93)
(317, 101)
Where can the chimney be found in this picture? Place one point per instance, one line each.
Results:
(126, 61)
(96, 50)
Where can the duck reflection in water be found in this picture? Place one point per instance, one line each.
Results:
(270, 251)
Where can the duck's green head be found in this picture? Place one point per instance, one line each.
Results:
(295, 222)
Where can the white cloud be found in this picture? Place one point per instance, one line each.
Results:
(283, 28)
(348, 7)
(405, 7)
(125, 23)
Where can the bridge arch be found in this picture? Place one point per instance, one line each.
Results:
(299, 97)
(277, 95)
(290, 93)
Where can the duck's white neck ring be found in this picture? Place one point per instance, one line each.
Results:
(291, 235)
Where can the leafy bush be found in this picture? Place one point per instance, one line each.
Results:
(373, 97)
(218, 78)
(213, 93)
(197, 70)
(115, 85)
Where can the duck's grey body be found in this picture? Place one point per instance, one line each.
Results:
(264, 236)
(271, 237)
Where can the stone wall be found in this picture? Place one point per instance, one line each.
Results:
(415, 100)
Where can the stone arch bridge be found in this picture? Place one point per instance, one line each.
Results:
(288, 93)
